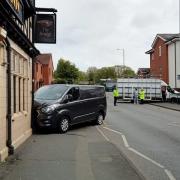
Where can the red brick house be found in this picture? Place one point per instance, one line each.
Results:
(43, 70)
(159, 62)
(143, 73)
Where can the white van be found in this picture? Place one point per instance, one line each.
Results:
(152, 87)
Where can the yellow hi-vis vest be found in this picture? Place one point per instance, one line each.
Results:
(142, 94)
(115, 93)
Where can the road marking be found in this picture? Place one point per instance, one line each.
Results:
(107, 139)
(175, 124)
(145, 157)
(123, 137)
(113, 130)
(169, 174)
(125, 141)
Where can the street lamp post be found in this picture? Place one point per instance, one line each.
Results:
(123, 51)
(179, 16)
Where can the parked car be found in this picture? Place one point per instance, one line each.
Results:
(59, 106)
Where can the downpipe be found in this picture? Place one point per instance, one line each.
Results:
(9, 110)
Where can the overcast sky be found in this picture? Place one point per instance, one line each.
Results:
(89, 32)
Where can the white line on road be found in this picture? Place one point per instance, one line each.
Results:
(125, 141)
(113, 130)
(145, 157)
(168, 173)
(175, 125)
(123, 137)
(107, 139)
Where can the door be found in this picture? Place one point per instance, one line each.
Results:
(75, 106)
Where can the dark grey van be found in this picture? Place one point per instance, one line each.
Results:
(59, 106)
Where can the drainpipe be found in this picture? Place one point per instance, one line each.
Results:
(9, 110)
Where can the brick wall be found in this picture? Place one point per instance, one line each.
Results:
(159, 62)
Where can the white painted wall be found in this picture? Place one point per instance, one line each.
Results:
(171, 64)
(173, 81)
(178, 62)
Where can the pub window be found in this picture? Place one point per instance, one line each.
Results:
(25, 68)
(14, 93)
(16, 62)
(23, 62)
(19, 94)
(20, 65)
(13, 60)
(2, 55)
(24, 106)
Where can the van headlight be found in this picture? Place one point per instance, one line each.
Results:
(49, 109)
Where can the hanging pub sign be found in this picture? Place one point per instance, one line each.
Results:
(17, 8)
(45, 28)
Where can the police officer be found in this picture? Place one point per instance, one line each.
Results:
(142, 95)
(116, 95)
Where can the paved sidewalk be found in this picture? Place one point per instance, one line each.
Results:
(82, 153)
(167, 105)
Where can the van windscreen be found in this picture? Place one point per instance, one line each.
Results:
(51, 92)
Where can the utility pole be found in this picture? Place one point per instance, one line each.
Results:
(123, 53)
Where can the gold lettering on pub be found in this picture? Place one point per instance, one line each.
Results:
(16, 4)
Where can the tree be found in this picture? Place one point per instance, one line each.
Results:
(82, 76)
(106, 73)
(128, 73)
(66, 71)
(92, 75)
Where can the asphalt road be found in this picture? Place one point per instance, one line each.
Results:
(150, 132)
(135, 141)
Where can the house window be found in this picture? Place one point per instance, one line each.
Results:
(36, 67)
(178, 77)
(160, 50)
(152, 56)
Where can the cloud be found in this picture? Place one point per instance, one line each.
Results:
(89, 32)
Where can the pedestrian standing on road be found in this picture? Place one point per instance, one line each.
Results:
(142, 95)
(135, 96)
(116, 95)
(163, 91)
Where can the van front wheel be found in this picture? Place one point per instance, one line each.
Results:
(100, 118)
(63, 124)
